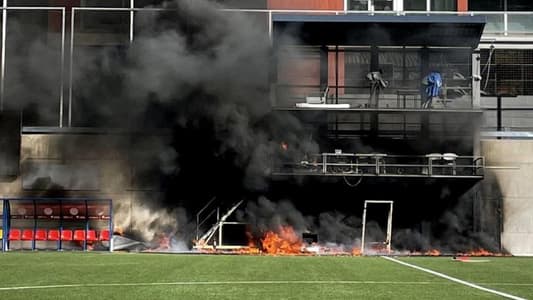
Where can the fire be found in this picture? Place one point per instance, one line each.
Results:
(247, 250)
(286, 241)
(432, 252)
(251, 248)
(356, 251)
(478, 252)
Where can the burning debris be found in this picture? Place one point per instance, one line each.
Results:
(284, 241)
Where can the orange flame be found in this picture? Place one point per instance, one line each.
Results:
(356, 251)
(432, 252)
(478, 252)
(286, 241)
(251, 248)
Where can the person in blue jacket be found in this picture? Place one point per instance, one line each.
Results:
(433, 85)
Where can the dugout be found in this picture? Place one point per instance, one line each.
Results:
(56, 224)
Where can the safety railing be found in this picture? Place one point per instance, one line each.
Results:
(452, 97)
(448, 165)
(498, 23)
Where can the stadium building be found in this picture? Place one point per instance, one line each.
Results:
(417, 105)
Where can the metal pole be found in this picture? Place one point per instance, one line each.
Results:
(86, 226)
(34, 225)
(60, 240)
(62, 72)
(111, 229)
(71, 62)
(3, 55)
(197, 227)
(220, 234)
(270, 24)
(215, 243)
(4, 224)
(363, 232)
(336, 74)
(132, 12)
(389, 228)
(499, 114)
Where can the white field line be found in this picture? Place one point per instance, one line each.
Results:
(472, 285)
(193, 283)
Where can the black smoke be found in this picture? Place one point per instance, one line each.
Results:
(191, 96)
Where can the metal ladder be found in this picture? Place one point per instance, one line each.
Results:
(203, 241)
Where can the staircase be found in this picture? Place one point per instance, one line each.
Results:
(207, 241)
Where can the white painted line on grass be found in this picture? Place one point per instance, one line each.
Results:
(192, 283)
(472, 285)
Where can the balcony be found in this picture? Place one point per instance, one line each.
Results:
(433, 165)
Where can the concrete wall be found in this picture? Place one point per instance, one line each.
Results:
(510, 181)
(92, 166)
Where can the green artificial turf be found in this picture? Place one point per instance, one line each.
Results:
(512, 275)
(168, 276)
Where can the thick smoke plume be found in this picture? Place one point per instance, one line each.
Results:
(194, 84)
(191, 92)
(332, 228)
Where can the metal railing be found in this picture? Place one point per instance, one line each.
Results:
(499, 23)
(447, 165)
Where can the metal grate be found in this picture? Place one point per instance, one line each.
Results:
(509, 72)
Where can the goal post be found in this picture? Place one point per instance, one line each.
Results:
(389, 223)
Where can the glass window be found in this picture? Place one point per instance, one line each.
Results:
(358, 5)
(519, 5)
(484, 5)
(414, 5)
(444, 5)
(382, 4)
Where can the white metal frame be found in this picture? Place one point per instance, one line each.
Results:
(5, 8)
(389, 224)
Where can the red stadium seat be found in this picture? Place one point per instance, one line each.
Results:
(53, 235)
(91, 235)
(27, 234)
(104, 235)
(14, 235)
(66, 235)
(40, 235)
(79, 235)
